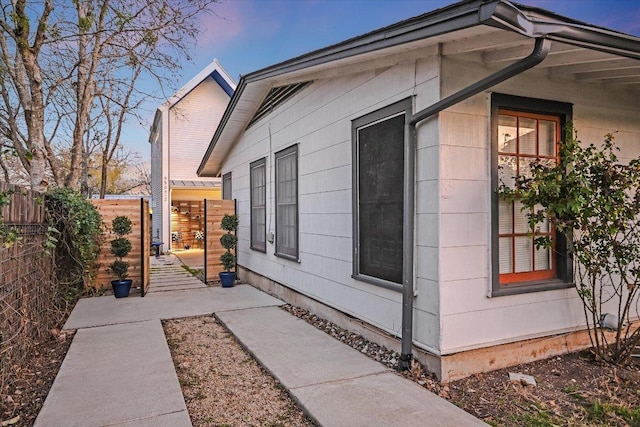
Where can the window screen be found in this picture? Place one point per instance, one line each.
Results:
(287, 202)
(380, 171)
(258, 205)
(226, 186)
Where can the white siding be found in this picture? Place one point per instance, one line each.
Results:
(319, 120)
(193, 122)
(470, 318)
(156, 187)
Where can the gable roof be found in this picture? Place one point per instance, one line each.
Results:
(490, 31)
(213, 70)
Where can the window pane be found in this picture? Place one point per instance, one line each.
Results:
(548, 138)
(528, 135)
(505, 217)
(507, 131)
(524, 166)
(542, 227)
(505, 255)
(507, 170)
(287, 202)
(226, 186)
(521, 223)
(380, 196)
(258, 208)
(543, 259)
(524, 254)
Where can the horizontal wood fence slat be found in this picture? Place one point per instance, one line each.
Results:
(215, 210)
(139, 237)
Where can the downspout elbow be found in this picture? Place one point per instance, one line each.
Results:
(539, 53)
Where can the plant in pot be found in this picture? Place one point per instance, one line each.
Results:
(228, 241)
(120, 248)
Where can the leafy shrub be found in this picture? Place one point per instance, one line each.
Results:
(78, 224)
(228, 241)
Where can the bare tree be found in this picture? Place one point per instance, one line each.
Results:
(62, 63)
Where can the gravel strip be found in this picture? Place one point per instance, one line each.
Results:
(221, 383)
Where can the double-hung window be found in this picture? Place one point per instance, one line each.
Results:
(226, 186)
(286, 163)
(258, 198)
(525, 132)
(378, 180)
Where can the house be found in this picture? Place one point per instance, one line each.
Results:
(182, 128)
(365, 177)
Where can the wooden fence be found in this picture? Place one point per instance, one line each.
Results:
(137, 210)
(214, 210)
(27, 279)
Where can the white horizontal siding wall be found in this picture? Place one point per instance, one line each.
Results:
(319, 120)
(471, 319)
(156, 187)
(193, 121)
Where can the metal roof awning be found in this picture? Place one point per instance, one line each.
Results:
(176, 183)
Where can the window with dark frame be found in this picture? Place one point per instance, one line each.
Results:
(226, 186)
(258, 196)
(379, 194)
(525, 131)
(286, 164)
(524, 138)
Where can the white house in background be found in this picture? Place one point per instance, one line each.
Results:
(182, 128)
(365, 177)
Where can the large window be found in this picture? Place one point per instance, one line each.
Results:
(379, 194)
(287, 203)
(523, 136)
(226, 186)
(258, 199)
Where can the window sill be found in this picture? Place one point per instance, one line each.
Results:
(262, 250)
(530, 287)
(378, 282)
(287, 257)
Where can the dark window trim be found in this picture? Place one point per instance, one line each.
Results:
(564, 263)
(258, 163)
(226, 181)
(282, 153)
(405, 106)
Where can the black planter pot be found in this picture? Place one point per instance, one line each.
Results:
(227, 278)
(121, 288)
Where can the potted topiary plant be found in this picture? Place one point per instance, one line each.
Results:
(228, 241)
(120, 248)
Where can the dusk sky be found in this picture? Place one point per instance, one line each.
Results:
(247, 35)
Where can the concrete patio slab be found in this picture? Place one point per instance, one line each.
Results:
(282, 343)
(335, 384)
(384, 399)
(107, 310)
(116, 375)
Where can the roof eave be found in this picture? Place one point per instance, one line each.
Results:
(530, 22)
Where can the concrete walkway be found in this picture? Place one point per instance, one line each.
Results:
(119, 372)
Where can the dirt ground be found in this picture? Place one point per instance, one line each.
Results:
(571, 390)
(22, 398)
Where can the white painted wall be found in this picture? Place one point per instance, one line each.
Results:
(319, 120)
(193, 121)
(453, 310)
(470, 318)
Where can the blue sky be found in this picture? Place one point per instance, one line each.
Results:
(247, 35)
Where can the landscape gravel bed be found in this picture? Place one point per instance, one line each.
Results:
(222, 384)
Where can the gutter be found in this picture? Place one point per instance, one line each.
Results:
(539, 53)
